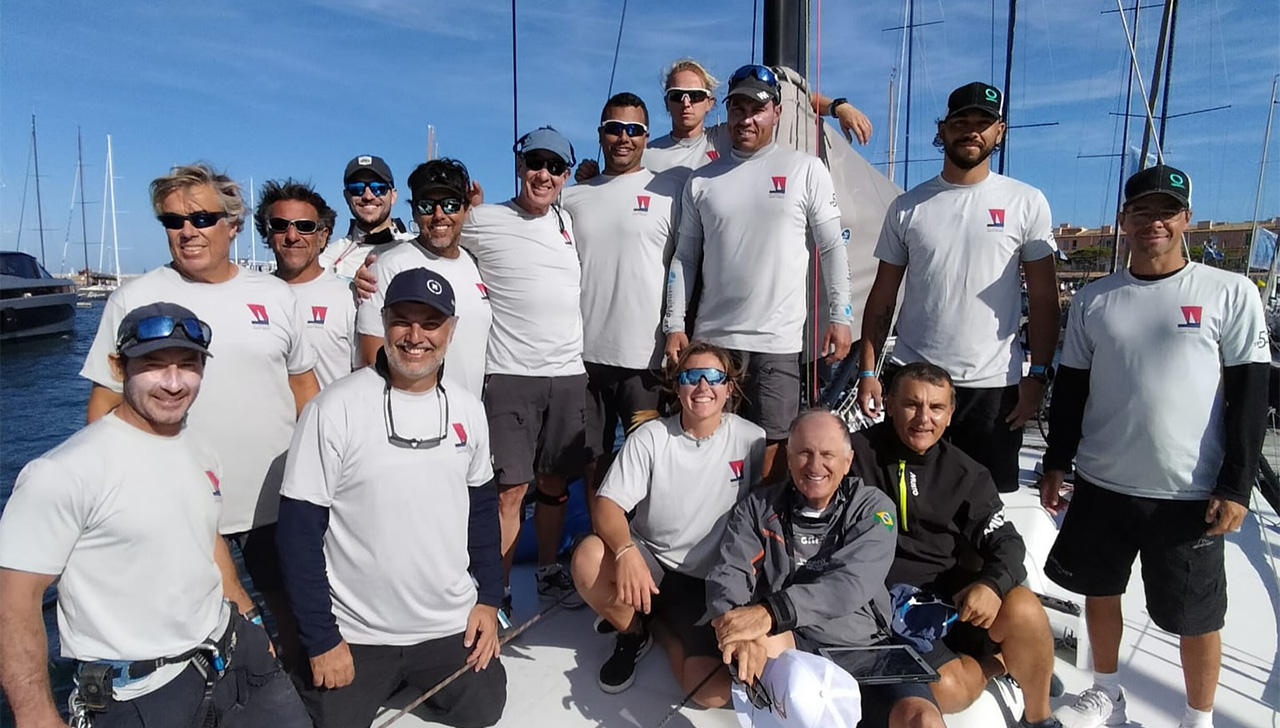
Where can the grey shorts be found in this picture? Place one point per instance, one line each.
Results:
(680, 604)
(616, 394)
(536, 425)
(770, 390)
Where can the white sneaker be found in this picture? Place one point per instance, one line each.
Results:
(1093, 708)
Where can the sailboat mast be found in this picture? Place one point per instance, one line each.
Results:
(1257, 195)
(1124, 151)
(35, 155)
(111, 187)
(1155, 88)
(906, 141)
(1008, 78)
(84, 223)
(1168, 67)
(253, 238)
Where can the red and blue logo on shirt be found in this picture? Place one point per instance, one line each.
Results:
(260, 317)
(484, 291)
(318, 314)
(736, 467)
(779, 186)
(642, 203)
(461, 432)
(997, 218)
(1190, 317)
(213, 479)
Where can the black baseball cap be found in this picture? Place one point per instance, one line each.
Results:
(976, 95)
(162, 325)
(370, 163)
(447, 175)
(421, 285)
(1159, 180)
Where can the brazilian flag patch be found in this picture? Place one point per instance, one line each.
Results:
(886, 519)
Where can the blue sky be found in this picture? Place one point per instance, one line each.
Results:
(297, 87)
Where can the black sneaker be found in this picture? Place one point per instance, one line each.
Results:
(619, 671)
(603, 626)
(555, 585)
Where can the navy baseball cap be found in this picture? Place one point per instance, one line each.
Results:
(421, 285)
(162, 325)
(976, 95)
(547, 139)
(756, 82)
(370, 163)
(1159, 180)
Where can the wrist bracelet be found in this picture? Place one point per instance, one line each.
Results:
(254, 615)
(618, 554)
(866, 373)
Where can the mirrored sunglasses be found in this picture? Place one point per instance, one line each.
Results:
(199, 219)
(756, 71)
(450, 206)
(153, 328)
(356, 189)
(691, 377)
(632, 129)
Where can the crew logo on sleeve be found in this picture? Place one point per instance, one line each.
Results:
(484, 292)
(642, 203)
(997, 218)
(736, 467)
(318, 314)
(213, 480)
(779, 186)
(1191, 317)
(259, 312)
(461, 432)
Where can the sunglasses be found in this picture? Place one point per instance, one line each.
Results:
(691, 377)
(1142, 216)
(414, 443)
(201, 219)
(450, 206)
(693, 95)
(356, 189)
(553, 165)
(617, 128)
(281, 225)
(758, 72)
(154, 328)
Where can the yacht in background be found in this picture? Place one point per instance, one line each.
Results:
(32, 302)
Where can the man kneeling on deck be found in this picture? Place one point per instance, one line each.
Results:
(803, 566)
(387, 497)
(125, 514)
(948, 509)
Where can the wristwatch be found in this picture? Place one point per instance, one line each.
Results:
(831, 110)
(1041, 373)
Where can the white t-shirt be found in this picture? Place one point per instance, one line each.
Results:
(329, 310)
(682, 156)
(246, 411)
(345, 255)
(530, 267)
(1153, 422)
(464, 361)
(128, 520)
(625, 238)
(682, 488)
(396, 548)
(746, 218)
(962, 246)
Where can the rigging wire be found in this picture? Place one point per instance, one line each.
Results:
(616, 47)
(22, 211)
(515, 95)
(755, 10)
(818, 352)
(1142, 87)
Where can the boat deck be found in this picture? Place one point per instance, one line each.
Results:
(552, 667)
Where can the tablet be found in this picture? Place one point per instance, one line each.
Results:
(882, 664)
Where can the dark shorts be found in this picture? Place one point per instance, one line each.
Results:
(770, 390)
(615, 395)
(680, 603)
(1183, 571)
(474, 699)
(537, 425)
(962, 639)
(978, 428)
(261, 559)
(878, 701)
